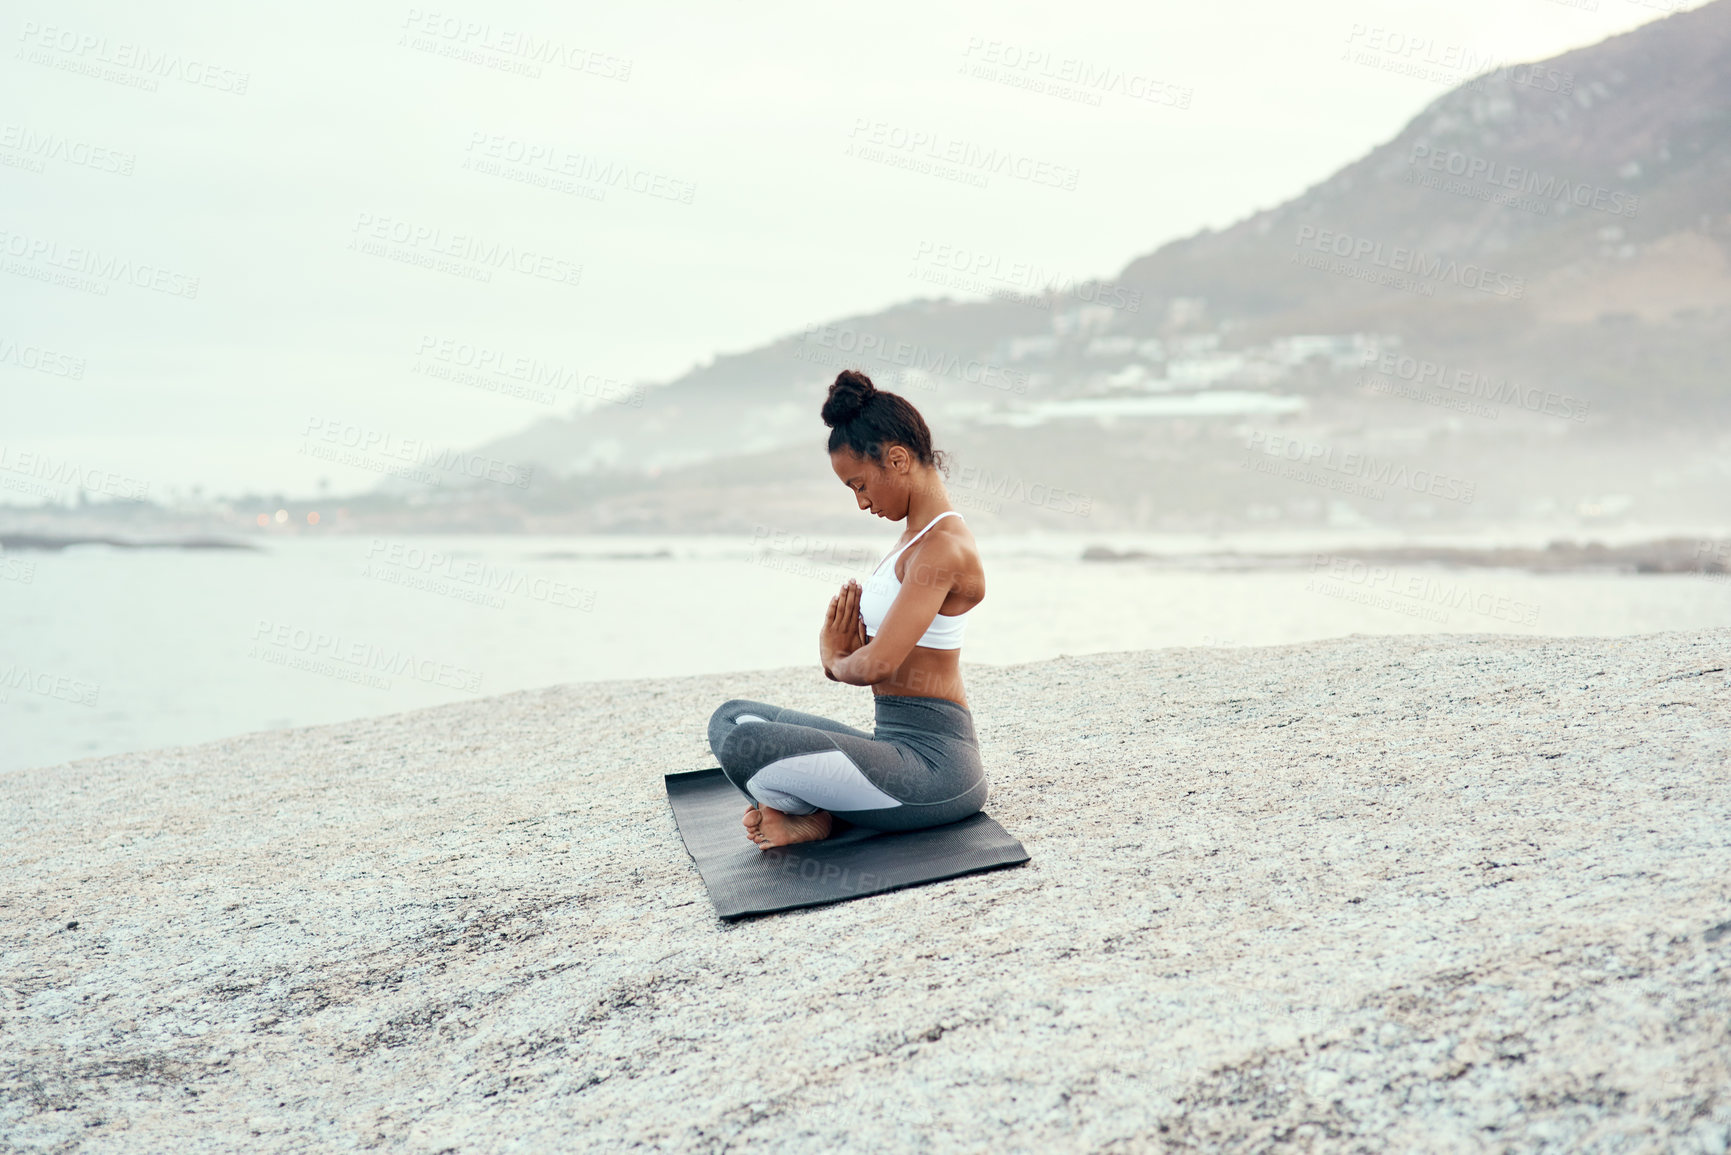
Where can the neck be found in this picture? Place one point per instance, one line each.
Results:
(927, 502)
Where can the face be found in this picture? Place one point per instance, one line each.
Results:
(882, 489)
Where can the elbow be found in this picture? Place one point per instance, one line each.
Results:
(864, 668)
(865, 676)
(875, 670)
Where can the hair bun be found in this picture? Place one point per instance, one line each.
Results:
(847, 397)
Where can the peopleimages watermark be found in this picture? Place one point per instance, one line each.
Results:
(86, 270)
(466, 579)
(1393, 388)
(801, 567)
(1715, 559)
(836, 878)
(505, 49)
(1426, 58)
(1414, 377)
(16, 569)
(1004, 487)
(411, 459)
(803, 555)
(827, 344)
(352, 660)
(26, 148)
(1358, 474)
(975, 271)
(1400, 267)
(1065, 77)
(516, 374)
(1431, 596)
(39, 359)
(1512, 185)
(560, 170)
(457, 254)
(793, 542)
(60, 687)
(44, 475)
(933, 153)
(122, 62)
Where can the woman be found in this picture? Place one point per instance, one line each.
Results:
(900, 634)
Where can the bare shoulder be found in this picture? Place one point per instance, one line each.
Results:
(949, 555)
(951, 537)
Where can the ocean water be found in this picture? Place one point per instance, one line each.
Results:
(105, 650)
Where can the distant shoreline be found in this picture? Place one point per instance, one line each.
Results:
(51, 543)
(1664, 556)
(1670, 555)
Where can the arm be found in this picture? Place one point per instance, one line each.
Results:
(937, 569)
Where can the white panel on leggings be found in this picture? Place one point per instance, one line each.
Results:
(826, 779)
(776, 800)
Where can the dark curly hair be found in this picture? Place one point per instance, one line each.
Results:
(867, 420)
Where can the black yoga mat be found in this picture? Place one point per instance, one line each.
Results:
(743, 879)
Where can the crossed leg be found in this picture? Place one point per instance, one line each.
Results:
(794, 767)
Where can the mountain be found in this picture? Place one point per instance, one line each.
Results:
(1526, 293)
(1596, 186)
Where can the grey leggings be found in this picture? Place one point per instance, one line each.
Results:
(921, 768)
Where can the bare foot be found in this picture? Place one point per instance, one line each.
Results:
(769, 827)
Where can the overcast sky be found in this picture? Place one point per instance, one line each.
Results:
(218, 219)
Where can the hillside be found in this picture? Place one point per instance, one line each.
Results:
(1564, 300)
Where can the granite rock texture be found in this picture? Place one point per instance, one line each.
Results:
(1370, 894)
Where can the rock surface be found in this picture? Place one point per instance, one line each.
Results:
(1449, 893)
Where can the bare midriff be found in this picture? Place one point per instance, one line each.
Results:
(927, 674)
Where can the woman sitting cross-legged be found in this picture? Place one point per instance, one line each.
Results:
(900, 633)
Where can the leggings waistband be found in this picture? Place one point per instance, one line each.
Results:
(940, 717)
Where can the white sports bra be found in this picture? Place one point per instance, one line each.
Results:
(880, 590)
